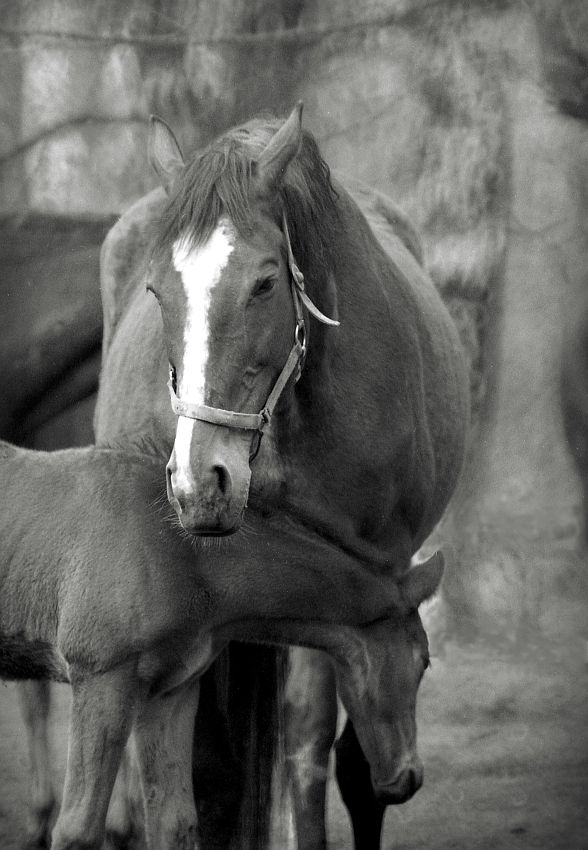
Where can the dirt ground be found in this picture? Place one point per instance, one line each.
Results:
(503, 736)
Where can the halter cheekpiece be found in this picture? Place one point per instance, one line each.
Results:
(294, 364)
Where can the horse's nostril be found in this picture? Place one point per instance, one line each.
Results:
(171, 494)
(413, 785)
(174, 494)
(223, 479)
(415, 779)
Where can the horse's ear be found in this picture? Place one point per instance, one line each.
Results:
(279, 152)
(422, 580)
(164, 152)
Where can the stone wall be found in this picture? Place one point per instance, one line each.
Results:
(518, 514)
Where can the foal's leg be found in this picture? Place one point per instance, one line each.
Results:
(103, 709)
(163, 737)
(34, 699)
(124, 822)
(311, 726)
(353, 778)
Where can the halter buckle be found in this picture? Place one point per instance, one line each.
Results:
(300, 336)
(300, 341)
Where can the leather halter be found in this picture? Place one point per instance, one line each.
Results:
(259, 421)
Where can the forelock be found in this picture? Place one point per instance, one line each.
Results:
(217, 182)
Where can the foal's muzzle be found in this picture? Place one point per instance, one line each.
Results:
(403, 786)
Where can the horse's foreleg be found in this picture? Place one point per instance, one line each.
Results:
(163, 737)
(353, 778)
(311, 726)
(34, 699)
(103, 709)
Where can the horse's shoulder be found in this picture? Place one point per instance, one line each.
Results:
(417, 302)
(123, 258)
(383, 214)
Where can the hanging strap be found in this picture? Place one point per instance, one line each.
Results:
(298, 279)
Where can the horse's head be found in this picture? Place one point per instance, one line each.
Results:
(232, 312)
(379, 669)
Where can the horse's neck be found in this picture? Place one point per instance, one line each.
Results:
(333, 422)
(279, 569)
(383, 215)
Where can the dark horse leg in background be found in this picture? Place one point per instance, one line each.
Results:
(217, 789)
(353, 777)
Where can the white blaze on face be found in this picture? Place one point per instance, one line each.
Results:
(200, 269)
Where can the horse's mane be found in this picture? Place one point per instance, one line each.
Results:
(220, 181)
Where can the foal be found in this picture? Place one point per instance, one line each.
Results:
(98, 589)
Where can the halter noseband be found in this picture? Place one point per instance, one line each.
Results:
(259, 421)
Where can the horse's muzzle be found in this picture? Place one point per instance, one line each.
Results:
(210, 514)
(402, 787)
(211, 499)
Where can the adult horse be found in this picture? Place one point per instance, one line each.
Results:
(97, 589)
(285, 311)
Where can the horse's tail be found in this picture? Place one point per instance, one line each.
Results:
(238, 742)
(255, 711)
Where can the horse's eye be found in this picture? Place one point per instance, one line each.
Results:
(264, 285)
(173, 378)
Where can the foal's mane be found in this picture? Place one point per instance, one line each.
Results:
(221, 180)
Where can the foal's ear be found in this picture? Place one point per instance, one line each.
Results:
(164, 152)
(422, 580)
(279, 152)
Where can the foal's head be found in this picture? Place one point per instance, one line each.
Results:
(379, 670)
(222, 275)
